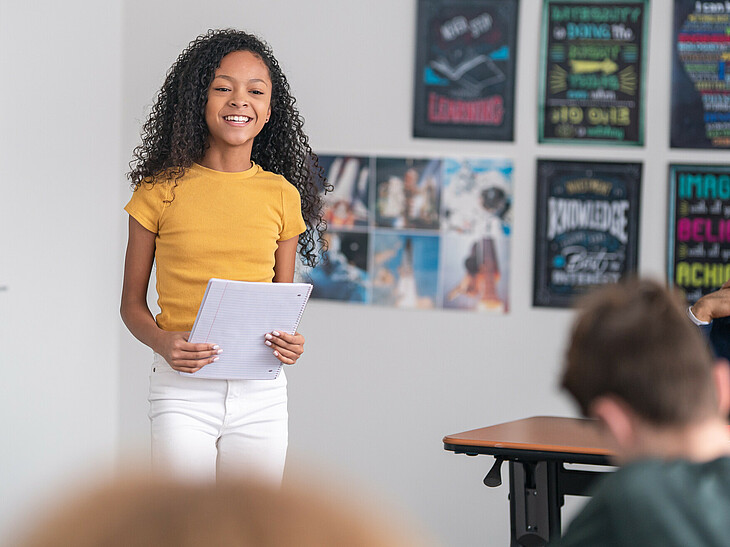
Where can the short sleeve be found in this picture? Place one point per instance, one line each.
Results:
(292, 222)
(147, 204)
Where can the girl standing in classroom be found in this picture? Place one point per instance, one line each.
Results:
(226, 186)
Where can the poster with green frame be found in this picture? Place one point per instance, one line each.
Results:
(698, 251)
(592, 72)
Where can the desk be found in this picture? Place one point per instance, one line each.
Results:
(537, 449)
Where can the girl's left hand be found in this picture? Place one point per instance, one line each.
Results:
(287, 347)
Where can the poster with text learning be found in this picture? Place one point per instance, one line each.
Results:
(698, 258)
(592, 72)
(587, 227)
(701, 75)
(465, 69)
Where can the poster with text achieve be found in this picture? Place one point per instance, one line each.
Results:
(698, 258)
(701, 75)
(465, 69)
(587, 227)
(592, 72)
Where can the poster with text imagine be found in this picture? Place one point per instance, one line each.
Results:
(592, 72)
(701, 75)
(587, 227)
(465, 69)
(698, 257)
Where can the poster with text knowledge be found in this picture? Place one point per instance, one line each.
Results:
(592, 72)
(587, 229)
(698, 258)
(701, 75)
(465, 69)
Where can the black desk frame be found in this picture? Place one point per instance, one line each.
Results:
(538, 484)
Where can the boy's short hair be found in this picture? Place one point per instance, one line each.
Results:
(634, 341)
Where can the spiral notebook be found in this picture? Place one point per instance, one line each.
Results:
(236, 315)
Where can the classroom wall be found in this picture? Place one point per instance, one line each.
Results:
(59, 258)
(377, 388)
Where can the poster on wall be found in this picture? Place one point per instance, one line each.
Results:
(701, 75)
(476, 228)
(407, 193)
(347, 206)
(405, 269)
(587, 227)
(592, 72)
(342, 273)
(465, 69)
(698, 257)
(416, 233)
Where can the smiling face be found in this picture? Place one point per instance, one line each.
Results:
(239, 104)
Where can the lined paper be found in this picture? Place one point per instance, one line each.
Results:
(236, 315)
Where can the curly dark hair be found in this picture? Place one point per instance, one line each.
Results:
(175, 135)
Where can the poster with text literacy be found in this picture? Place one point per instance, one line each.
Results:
(592, 72)
(587, 227)
(465, 69)
(698, 258)
(701, 75)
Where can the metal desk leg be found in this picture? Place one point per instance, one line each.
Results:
(534, 503)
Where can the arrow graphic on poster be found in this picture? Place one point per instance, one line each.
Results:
(607, 66)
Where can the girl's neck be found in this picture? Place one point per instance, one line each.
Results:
(227, 162)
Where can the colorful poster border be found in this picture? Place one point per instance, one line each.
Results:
(542, 113)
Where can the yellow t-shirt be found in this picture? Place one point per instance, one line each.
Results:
(214, 224)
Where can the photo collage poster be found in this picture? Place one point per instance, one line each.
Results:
(592, 72)
(698, 258)
(587, 227)
(701, 75)
(416, 233)
(465, 69)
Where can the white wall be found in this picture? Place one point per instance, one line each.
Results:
(377, 388)
(59, 258)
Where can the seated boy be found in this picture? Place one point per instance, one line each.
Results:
(636, 363)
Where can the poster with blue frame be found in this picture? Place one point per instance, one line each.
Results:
(587, 227)
(698, 254)
(465, 69)
(592, 72)
(701, 75)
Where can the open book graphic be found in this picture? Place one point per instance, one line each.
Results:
(236, 315)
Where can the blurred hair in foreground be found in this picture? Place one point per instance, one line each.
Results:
(141, 511)
(634, 340)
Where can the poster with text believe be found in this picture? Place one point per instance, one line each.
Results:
(465, 69)
(587, 229)
(592, 72)
(698, 258)
(701, 75)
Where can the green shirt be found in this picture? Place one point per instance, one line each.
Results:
(675, 503)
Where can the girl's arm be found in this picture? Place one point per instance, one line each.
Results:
(173, 346)
(287, 347)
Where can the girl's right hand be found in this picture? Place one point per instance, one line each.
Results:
(184, 356)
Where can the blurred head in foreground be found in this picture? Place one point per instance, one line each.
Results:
(146, 512)
(638, 364)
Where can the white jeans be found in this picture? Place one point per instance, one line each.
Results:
(204, 428)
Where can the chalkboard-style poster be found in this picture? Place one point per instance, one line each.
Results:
(701, 75)
(465, 69)
(699, 228)
(587, 229)
(592, 71)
